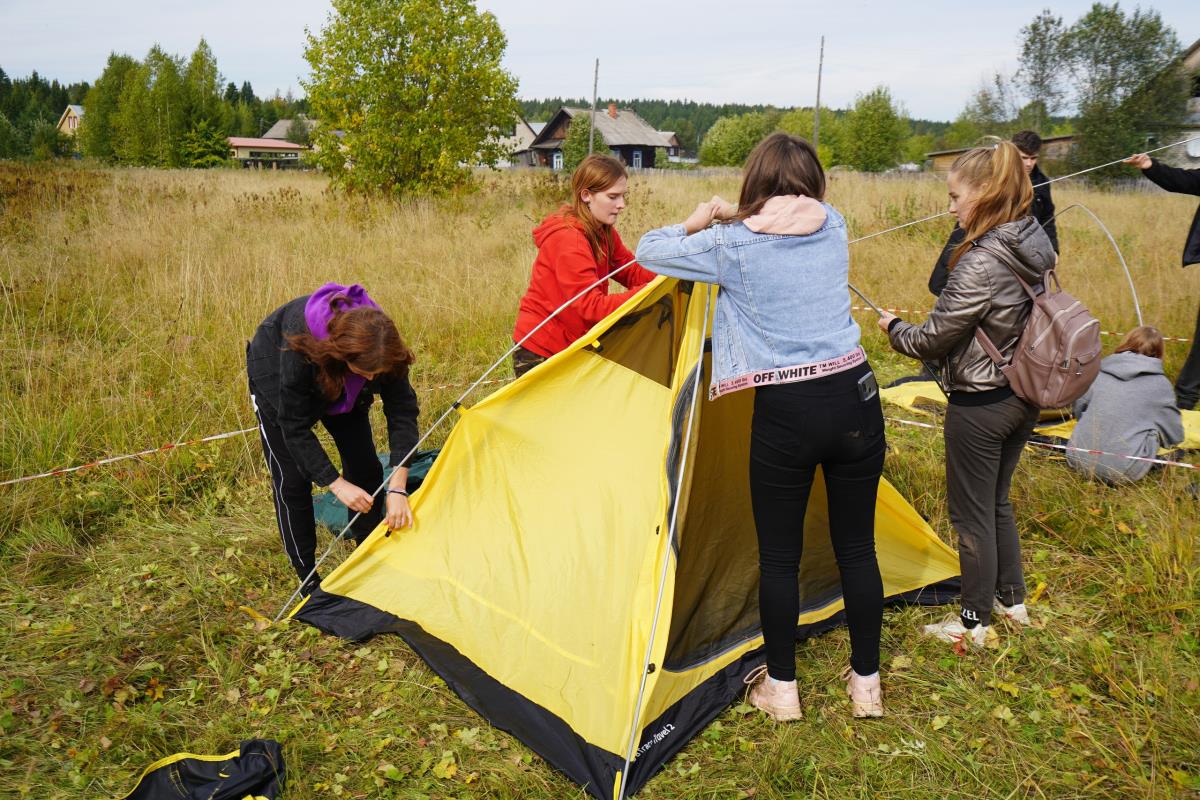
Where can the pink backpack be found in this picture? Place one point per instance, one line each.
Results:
(1058, 354)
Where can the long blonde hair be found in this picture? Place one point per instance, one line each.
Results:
(594, 174)
(1003, 190)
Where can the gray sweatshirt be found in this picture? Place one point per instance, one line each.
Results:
(1129, 410)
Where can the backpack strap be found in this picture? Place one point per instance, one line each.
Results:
(984, 341)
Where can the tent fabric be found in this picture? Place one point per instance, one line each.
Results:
(925, 396)
(530, 577)
(334, 515)
(255, 771)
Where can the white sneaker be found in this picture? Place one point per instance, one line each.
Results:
(952, 630)
(1017, 614)
(779, 699)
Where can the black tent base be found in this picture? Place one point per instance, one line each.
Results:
(548, 735)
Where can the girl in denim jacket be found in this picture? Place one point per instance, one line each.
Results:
(783, 326)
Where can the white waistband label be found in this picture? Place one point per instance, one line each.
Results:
(800, 372)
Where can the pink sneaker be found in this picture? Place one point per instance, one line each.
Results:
(780, 700)
(866, 695)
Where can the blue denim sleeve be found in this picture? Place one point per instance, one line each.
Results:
(670, 251)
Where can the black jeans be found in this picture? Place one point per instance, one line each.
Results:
(983, 446)
(1187, 385)
(524, 360)
(292, 492)
(797, 427)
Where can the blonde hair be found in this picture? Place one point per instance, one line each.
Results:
(594, 174)
(1003, 191)
(1145, 340)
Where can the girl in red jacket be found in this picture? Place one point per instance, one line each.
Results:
(577, 246)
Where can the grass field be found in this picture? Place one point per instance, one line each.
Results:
(126, 298)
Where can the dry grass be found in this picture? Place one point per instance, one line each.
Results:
(127, 297)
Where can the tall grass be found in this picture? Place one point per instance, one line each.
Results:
(126, 298)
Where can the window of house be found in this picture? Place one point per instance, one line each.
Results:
(558, 160)
(637, 159)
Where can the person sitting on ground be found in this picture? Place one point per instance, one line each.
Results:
(323, 357)
(783, 326)
(987, 424)
(1129, 410)
(1184, 181)
(577, 245)
(1030, 146)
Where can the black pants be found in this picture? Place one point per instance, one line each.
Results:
(796, 427)
(1187, 385)
(292, 491)
(524, 360)
(983, 446)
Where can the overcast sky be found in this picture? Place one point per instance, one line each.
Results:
(932, 55)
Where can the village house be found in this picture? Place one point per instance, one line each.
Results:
(280, 129)
(516, 145)
(1054, 148)
(263, 152)
(1188, 156)
(672, 142)
(68, 123)
(629, 137)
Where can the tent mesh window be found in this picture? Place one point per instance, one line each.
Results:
(646, 340)
(716, 583)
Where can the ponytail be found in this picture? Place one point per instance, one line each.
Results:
(1003, 190)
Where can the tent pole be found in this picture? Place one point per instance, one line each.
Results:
(667, 546)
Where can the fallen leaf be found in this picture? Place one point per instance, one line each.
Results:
(446, 768)
(87, 685)
(1004, 687)
(1123, 528)
(940, 721)
(261, 623)
(900, 662)
(105, 742)
(1036, 595)
(233, 695)
(1002, 712)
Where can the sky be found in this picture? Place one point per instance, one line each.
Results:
(931, 55)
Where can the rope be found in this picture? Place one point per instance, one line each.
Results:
(894, 310)
(113, 459)
(1064, 447)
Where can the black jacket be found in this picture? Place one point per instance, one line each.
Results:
(284, 385)
(1042, 209)
(1184, 181)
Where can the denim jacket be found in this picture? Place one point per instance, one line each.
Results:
(783, 298)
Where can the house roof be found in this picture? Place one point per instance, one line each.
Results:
(273, 144)
(77, 109)
(280, 129)
(627, 128)
(71, 108)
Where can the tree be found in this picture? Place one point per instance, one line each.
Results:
(989, 112)
(1127, 79)
(730, 139)
(202, 86)
(1042, 68)
(10, 141)
(100, 106)
(204, 146)
(575, 146)
(417, 88)
(47, 142)
(298, 132)
(799, 122)
(874, 132)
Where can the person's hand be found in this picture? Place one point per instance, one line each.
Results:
(351, 496)
(885, 320)
(701, 218)
(1141, 161)
(399, 512)
(723, 210)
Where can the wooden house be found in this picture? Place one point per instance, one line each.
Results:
(68, 123)
(273, 153)
(629, 137)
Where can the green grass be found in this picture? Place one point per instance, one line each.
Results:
(125, 297)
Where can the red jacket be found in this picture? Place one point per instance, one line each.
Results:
(563, 268)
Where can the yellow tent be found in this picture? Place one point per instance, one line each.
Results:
(583, 570)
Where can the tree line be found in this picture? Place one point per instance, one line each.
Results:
(162, 111)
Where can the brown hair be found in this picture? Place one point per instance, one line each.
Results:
(779, 164)
(1145, 340)
(364, 338)
(1003, 190)
(594, 174)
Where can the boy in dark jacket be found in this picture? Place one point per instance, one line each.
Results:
(1184, 181)
(1030, 144)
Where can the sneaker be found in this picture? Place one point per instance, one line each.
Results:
(952, 631)
(1018, 614)
(866, 696)
(780, 700)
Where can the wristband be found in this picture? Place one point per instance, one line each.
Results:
(398, 491)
